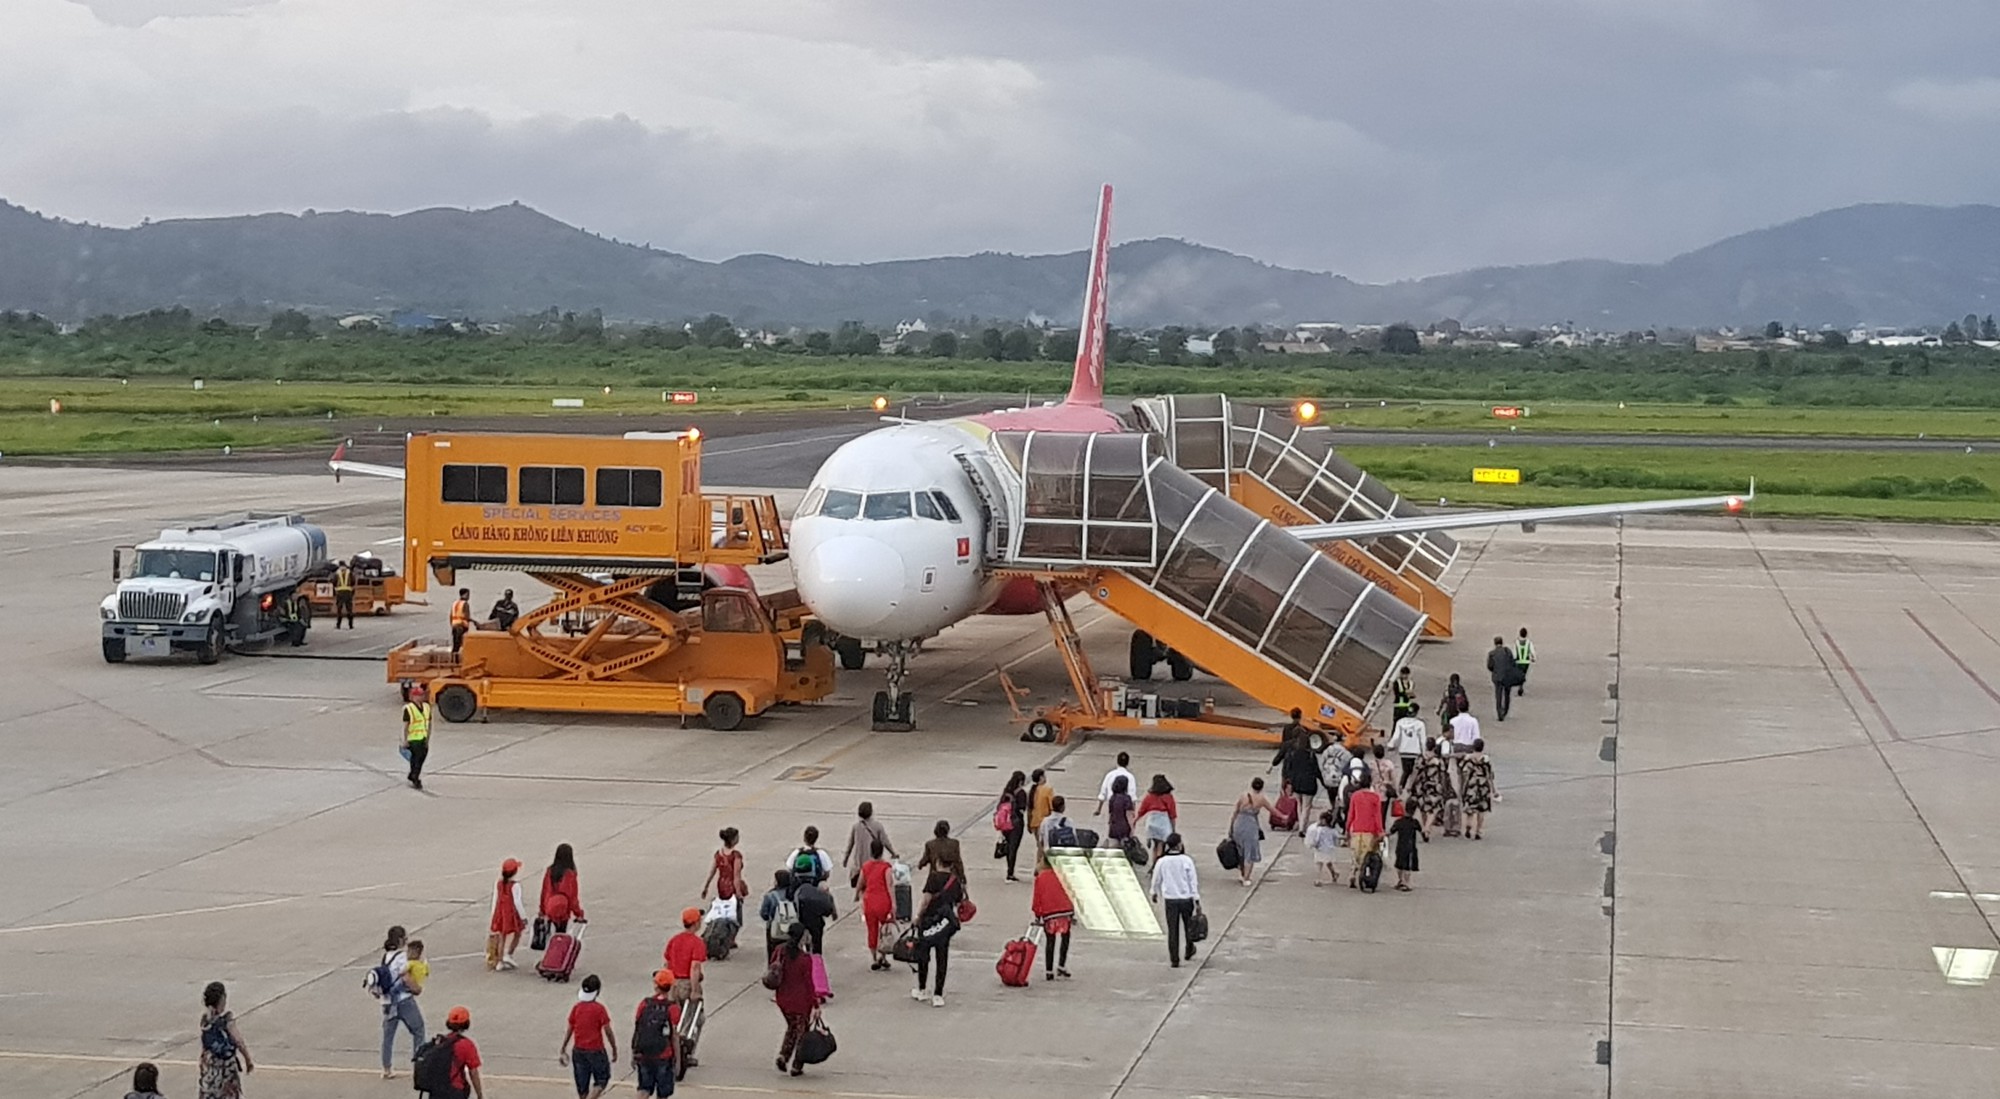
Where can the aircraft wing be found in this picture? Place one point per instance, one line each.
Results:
(340, 464)
(1527, 517)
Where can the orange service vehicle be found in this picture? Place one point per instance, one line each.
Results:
(652, 612)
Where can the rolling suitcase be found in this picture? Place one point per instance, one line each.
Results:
(1371, 872)
(822, 987)
(689, 1022)
(1454, 817)
(904, 893)
(559, 960)
(1017, 961)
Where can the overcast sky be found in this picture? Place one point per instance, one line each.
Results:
(1377, 140)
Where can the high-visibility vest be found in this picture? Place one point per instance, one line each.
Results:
(461, 615)
(343, 579)
(417, 715)
(1524, 653)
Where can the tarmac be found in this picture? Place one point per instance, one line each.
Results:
(1745, 845)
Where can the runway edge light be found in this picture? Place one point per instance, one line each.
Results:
(1306, 411)
(881, 403)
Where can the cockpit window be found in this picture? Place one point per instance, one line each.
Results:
(841, 504)
(927, 508)
(810, 506)
(944, 504)
(887, 505)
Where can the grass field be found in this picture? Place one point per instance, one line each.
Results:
(1669, 419)
(1939, 486)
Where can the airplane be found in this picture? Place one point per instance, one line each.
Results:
(890, 545)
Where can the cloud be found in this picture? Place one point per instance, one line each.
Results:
(1376, 141)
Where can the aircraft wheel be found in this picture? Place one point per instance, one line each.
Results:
(114, 650)
(1179, 666)
(811, 635)
(906, 708)
(880, 712)
(1144, 655)
(852, 656)
(723, 710)
(457, 704)
(1040, 731)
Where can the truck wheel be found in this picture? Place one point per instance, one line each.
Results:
(211, 646)
(852, 656)
(812, 635)
(1144, 655)
(723, 711)
(457, 704)
(1040, 731)
(1180, 667)
(114, 650)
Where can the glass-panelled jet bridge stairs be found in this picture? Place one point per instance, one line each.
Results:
(1289, 472)
(1226, 588)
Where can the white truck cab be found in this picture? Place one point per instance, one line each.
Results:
(204, 587)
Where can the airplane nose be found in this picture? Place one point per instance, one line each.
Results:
(852, 584)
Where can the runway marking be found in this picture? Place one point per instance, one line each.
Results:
(147, 916)
(1887, 724)
(715, 451)
(1946, 650)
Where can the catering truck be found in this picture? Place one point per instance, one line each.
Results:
(205, 587)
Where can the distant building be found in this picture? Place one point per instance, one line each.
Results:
(1200, 345)
(409, 320)
(359, 319)
(904, 328)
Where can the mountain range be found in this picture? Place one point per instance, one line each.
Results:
(1877, 264)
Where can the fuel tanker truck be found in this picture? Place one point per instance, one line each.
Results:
(206, 587)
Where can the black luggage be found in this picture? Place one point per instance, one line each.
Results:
(1134, 850)
(1371, 872)
(1230, 855)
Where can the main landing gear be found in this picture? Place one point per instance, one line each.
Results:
(895, 709)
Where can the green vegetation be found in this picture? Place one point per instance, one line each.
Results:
(1951, 486)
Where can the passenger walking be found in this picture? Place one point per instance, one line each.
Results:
(1324, 839)
(1056, 914)
(1405, 693)
(1406, 828)
(1175, 882)
(725, 872)
(1364, 830)
(145, 1081)
(815, 908)
(397, 994)
(510, 915)
(861, 838)
(505, 611)
(777, 910)
(878, 902)
(808, 863)
(1464, 730)
(343, 595)
(942, 856)
(1300, 768)
(224, 1058)
(1122, 769)
(797, 998)
(1118, 825)
(1245, 829)
(463, 1075)
(1455, 699)
(1407, 738)
(1430, 788)
(561, 900)
(1381, 769)
(1524, 658)
(1056, 830)
(1501, 668)
(1041, 799)
(589, 1047)
(1010, 819)
(937, 923)
(686, 954)
(1479, 790)
(1159, 815)
(656, 1038)
(417, 714)
(461, 619)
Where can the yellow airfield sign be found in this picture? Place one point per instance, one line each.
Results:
(1484, 476)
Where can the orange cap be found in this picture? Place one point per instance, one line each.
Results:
(510, 866)
(690, 917)
(663, 978)
(458, 1016)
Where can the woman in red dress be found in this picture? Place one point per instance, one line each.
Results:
(726, 872)
(560, 901)
(878, 902)
(509, 916)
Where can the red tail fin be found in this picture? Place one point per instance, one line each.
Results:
(1086, 386)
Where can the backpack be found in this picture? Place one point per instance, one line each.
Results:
(431, 1073)
(649, 1034)
(782, 919)
(805, 865)
(379, 982)
(215, 1039)
(1063, 834)
(811, 900)
(1003, 816)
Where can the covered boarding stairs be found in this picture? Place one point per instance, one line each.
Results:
(1230, 590)
(1289, 472)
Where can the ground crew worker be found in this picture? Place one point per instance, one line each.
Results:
(293, 614)
(1524, 655)
(505, 611)
(461, 618)
(1406, 693)
(417, 733)
(343, 595)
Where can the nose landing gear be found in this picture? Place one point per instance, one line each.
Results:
(895, 709)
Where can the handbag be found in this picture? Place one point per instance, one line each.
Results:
(538, 939)
(774, 974)
(907, 948)
(1197, 928)
(817, 1043)
(966, 910)
(999, 849)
